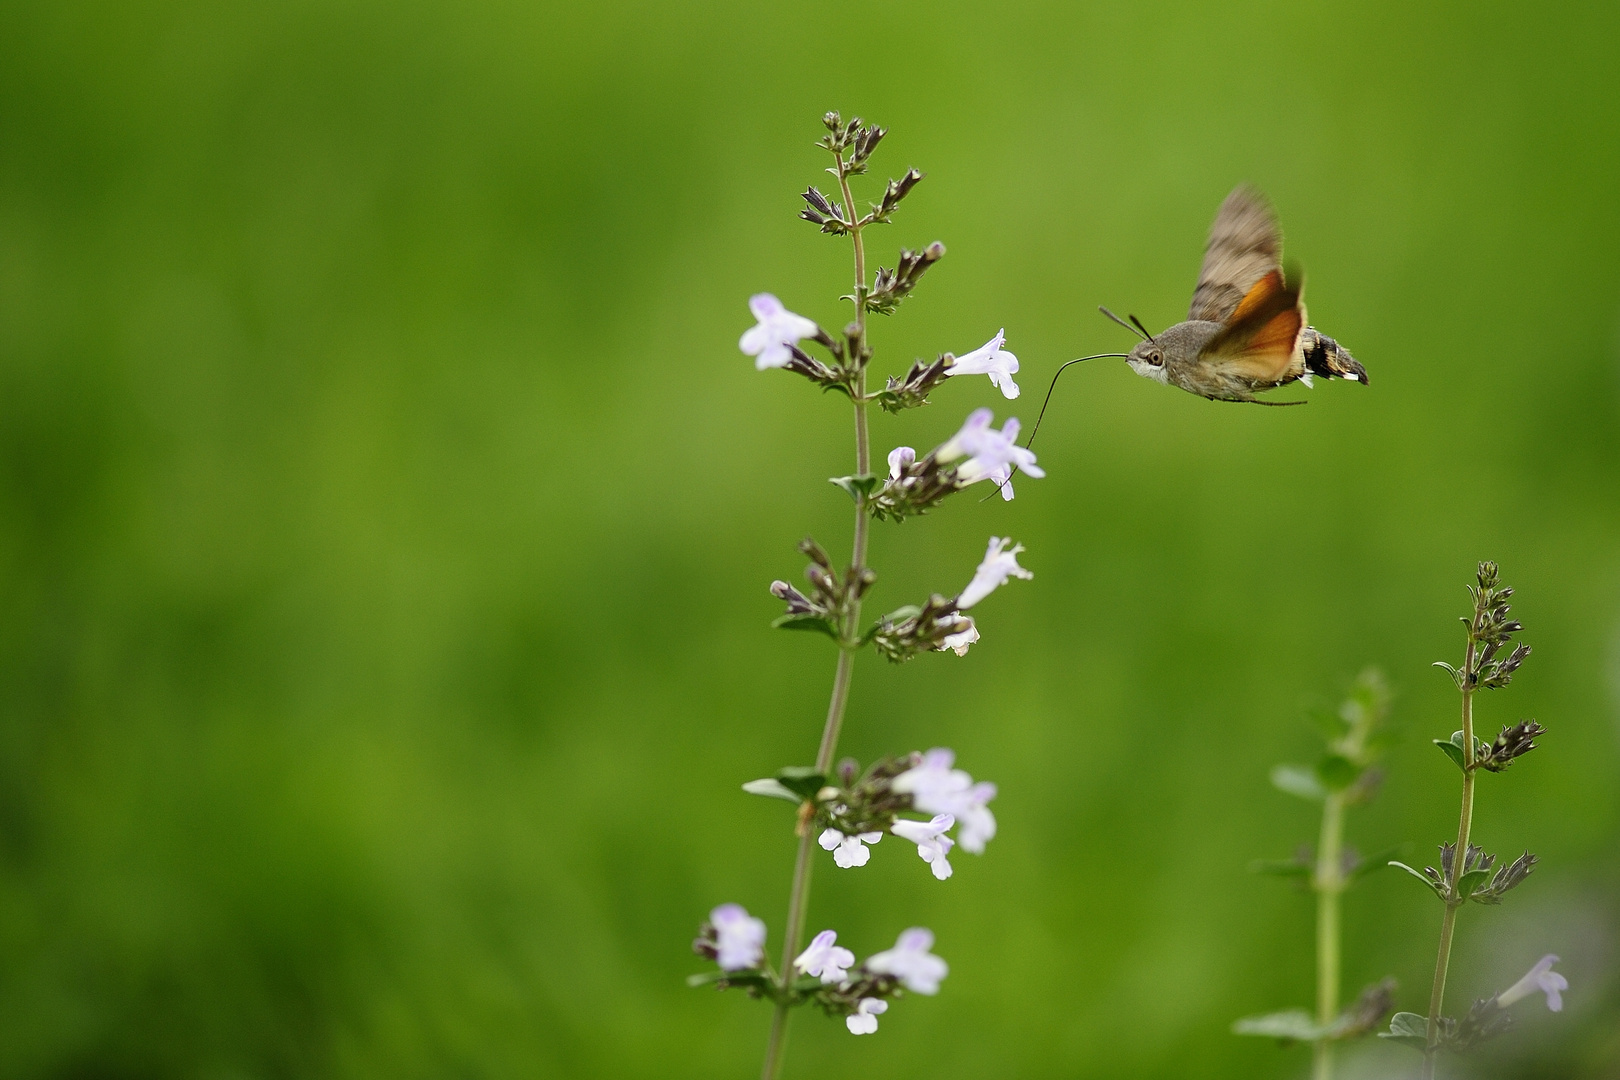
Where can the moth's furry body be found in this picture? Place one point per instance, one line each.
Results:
(1246, 331)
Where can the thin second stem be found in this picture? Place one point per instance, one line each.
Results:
(1329, 887)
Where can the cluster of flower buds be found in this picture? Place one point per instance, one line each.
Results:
(1489, 630)
(825, 212)
(825, 972)
(889, 287)
(832, 594)
(896, 191)
(852, 141)
(1515, 741)
(1475, 880)
(935, 627)
(1488, 1017)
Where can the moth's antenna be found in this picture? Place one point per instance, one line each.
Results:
(1142, 328)
(1123, 323)
(1042, 415)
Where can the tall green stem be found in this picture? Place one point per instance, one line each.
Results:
(1329, 883)
(799, 896)
(1448, 923)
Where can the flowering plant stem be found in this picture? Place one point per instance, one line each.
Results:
(1330, 884)
(1448, 922)
(799, 897)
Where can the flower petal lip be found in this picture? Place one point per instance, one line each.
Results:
(912, 962)
(777, 328)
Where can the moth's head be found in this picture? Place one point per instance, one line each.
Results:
(1147, 360)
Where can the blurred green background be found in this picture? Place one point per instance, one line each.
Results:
(386, 515)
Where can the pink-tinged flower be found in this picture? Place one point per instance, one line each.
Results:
(910, 961)
(999, 564)
(777, 329)
(824, 959)
(964, 634)
(932, 843)
(1541, 977)
(991, 454)
(739, 937)
(863, 1021)
(848, 850)
(992, 360)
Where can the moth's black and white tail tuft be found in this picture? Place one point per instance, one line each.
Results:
(1329, 359)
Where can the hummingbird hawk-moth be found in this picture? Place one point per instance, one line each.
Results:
(1246, 330)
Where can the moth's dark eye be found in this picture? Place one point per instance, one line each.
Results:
(1155, 359)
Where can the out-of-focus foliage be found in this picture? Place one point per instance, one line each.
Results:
(386, 516)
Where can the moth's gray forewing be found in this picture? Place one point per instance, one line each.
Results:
(1245, 245)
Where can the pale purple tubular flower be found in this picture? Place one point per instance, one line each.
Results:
(1541, 977)
(848, 850)
(937, 787)
(910, 961)
(900, 459)
(932, 843)
(964, 635)
(824, 959)
(1000, 563)
(995, 455)
(863, 1021)
(739, 937)
(778, 328)
(992, 360)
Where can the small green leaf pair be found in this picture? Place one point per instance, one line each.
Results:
(794, 784)
(1333, 774)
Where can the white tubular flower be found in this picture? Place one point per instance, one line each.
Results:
(848, 850)
(992, 360)
(1541, 977)
(824, 959)
(965, 634)
(932, 843)
(999, 564)
(900, 458)
(739, 937)
(863, 1021)
(911, 962)
(778, 328)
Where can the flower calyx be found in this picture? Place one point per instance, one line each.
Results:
(889, 287)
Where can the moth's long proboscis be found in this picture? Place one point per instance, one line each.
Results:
(1042, 415)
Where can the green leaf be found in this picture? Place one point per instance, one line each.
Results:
(1409, 1029)
(1454, 752)
(1431, 886)
(1298, 780)
(1292, 1025)
(1336, 772)
(772, 789)
(858, 485)
(803, 780)
(1280, 867)
(1471, 881)
(806, 621)
(1456, 676)
(735, 978)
